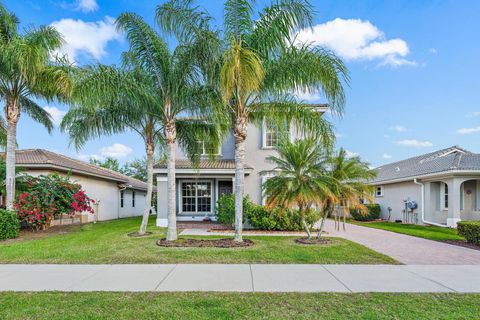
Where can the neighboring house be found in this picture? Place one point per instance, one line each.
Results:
(116, 195)
(445, 185)
(198, 189)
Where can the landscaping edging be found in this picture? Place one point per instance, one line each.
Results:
(205, 243)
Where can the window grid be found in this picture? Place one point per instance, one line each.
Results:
(196, 197)
(272, 136)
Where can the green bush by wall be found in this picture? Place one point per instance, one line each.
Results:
(373, 213)
(470, 230)
(9, 224)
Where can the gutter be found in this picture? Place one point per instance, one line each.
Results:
(423, 206)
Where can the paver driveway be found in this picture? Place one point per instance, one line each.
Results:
(406, 249)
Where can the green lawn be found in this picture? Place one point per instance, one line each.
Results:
(237, 306)
(107, 242)
(427, 232)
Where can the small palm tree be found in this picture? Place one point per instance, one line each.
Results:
(351, 189)
(261, 66)
(300, 180)
(26, 72)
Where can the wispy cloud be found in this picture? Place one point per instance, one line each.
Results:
(356, 39)
(87, 5)
(350, 154)
(468, 130)
(386, 156)
(87, 38)
(116, 150)
(415, 143)
(472, 114)
(398, 128)
(56, 114)
(433, 51)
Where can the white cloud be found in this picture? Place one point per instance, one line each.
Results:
(308, 96)
(473, 114)
(56, 114)
(355, 39)
(350, 154)
(88, 38)
(398, 128)
(468, 130)
(415, 143)
(386, 156)
(116, 150)
(433, 51)
(87, 5)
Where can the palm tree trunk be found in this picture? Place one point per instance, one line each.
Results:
(170, 135)
(307, 229)
(320, 230)
(240, 133)
(12, 120)
(148, 199)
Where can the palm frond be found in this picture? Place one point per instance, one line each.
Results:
(238, 19)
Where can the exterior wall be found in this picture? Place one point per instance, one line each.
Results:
(162, 201)
(105, 193)
(128, 210)
(394, 196)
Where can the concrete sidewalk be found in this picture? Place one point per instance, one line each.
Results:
(241, 278)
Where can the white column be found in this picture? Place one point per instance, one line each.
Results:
(454, 202)
(162, 199)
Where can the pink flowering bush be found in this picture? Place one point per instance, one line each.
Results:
(48, 197)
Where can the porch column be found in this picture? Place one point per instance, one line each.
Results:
(427, 209)
(454, 195)
(162, 199)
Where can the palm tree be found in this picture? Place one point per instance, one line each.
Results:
(352, 175)
(300, 180)
(260, 69)
(26, 72)
(162, 95)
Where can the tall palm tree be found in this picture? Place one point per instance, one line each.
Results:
(300, 180)
(352, 175)
(27, 72)
(262, 65)
(172, 85)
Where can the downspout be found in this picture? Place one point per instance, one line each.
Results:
(423, 206)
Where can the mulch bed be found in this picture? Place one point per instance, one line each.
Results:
(137, 235)
(313, 241)
(200, 243)
(260, 232)
(462, 243)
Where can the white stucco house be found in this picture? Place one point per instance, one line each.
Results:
(443, 185)
(116, 195)
(199, 188)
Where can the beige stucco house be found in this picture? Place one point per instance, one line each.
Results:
(116, 195)
(438, 188)
(199, 188)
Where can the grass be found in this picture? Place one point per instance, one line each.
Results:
(107, 242)
(427, 232)
(237, 306)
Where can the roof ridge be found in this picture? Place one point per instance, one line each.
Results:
(428, 155)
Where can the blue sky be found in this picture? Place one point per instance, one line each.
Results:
(414, 69)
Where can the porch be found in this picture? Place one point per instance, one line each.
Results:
(453, 199)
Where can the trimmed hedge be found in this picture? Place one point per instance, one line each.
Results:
(261, 218)
(9, 224)
(373, 213)
(470, 230)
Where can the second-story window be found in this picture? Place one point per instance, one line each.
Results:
(209, 150)
(271, 134)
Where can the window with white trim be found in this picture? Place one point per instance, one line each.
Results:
(379, 191)
(445, 197)
(196, 197)
(210, 151)
(271, 134)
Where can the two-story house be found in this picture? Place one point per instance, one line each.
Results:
(199, 188)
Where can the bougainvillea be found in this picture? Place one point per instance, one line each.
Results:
(48, 197)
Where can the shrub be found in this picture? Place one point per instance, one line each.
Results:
(470, 230)
(373, 213)
(225, 208)
(48, 197)
(280, 219)
(9, 224)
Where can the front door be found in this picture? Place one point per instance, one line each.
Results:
(225, 187)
